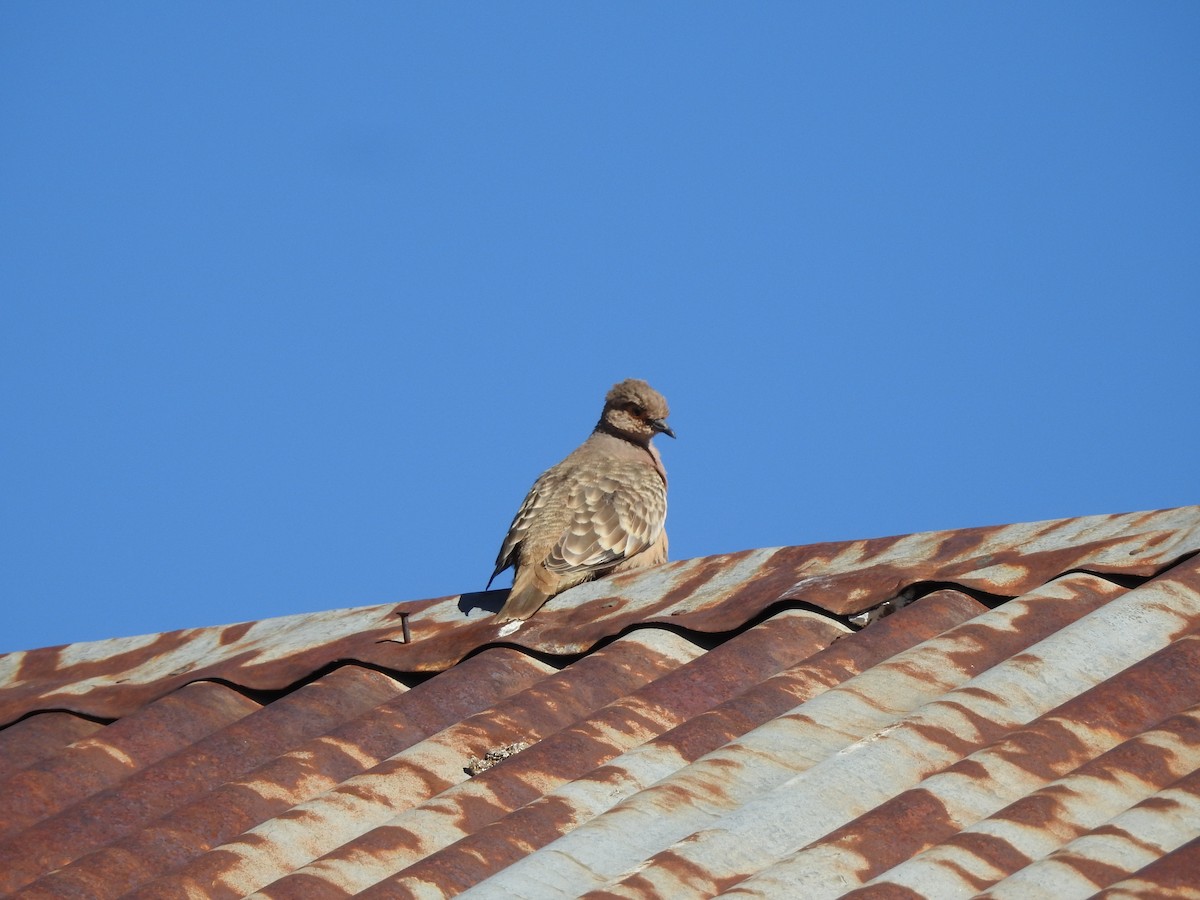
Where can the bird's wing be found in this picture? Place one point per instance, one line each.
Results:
(517, 530)
(610, 521)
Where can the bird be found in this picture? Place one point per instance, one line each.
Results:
(601, 510)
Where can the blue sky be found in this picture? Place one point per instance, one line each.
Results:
(296, 300)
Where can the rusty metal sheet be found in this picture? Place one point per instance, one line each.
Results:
(1008, 561)
(38, 737)
(116, 752)
(678, 696)
(189, 773)
(823, 727)
(1173, 875)
(308, 831)
(486, 851)
(1039, 823)
(714, 594)
(954, 805)
(1129, 843)
(763, 831)
(667, 761)
(298, 775)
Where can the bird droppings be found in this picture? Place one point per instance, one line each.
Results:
(492, 757)
(511, 627)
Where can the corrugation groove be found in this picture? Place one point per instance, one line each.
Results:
(1170, 876)
(189, 773)
(279, 846)
(1047, 747)
(299, 775)
(480, 855)
(677, 696)
(972, 715)
(842, 786)
(1041, 822)
(1051, 746)
(717, 594)
(757, 763)
(40, 736)
(115, 754)
(1127, 843)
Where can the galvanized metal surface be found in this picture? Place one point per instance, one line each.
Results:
(38, 737)
(684, 693)
(196, 770)
(357, 742)
(1006, 697)
(1126, 844)
(1034, 826)
(281, 845)
(855, 714)
(104, 760)
(713, 594)
(487, 851)
(1050, 743)
(951, 805)
(1172, 875)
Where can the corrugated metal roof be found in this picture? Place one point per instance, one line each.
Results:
(1027, 724)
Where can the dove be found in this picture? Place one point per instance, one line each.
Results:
(601, 510)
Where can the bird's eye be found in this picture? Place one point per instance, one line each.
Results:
(637, 409)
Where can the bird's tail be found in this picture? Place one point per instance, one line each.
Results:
(525, 598)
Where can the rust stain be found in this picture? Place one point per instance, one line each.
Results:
(884, 839)
(125, 674)
(490, 849)
(40, 736)
(697, 880)
(103, 761)
(187, 775)
(1123, 707)
(233, 633)
(884, 892)
(1097, 872)
(1173, 875)
(166, 798)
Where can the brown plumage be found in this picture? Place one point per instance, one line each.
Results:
(600, 510)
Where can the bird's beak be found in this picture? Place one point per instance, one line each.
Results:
(661, 425)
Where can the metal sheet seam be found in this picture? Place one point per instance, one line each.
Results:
(483, 853)
(707, 681)
(308, 831)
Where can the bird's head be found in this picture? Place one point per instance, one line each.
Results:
(635, 411)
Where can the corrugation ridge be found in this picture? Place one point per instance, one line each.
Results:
(1173, 875)
(114, 754)
(714, 594)
(1006, 560)
(844, 785)
(941, 807)
(915, 590)
(1110, 853)
(39, 737)
(661, 704)
(280, 845)
(474, 858)
(189, 773)
(764, 758)
(297, 776)
(1040, 823)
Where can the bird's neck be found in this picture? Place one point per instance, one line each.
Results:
(630, 446)
(606, 427)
